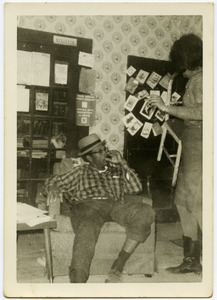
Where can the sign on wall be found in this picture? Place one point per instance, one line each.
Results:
(85, 110)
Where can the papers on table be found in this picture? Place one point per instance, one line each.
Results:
(31, 215)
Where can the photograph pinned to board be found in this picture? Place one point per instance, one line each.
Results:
(160, 115)
(131, 103)
(132, 85)
(142, 94)
(142, 76)
(146, 129)
(135, 127)
(154, 93)
(164, 97)
(41, 101)
(164, 82)
(153, 79)
(161, 284)
(157, 129)
(130, 71)
(147, 110)
(174, 98)
(129, 119)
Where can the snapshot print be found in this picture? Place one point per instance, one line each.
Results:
(95, 202)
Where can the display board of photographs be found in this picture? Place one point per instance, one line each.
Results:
(147, 77)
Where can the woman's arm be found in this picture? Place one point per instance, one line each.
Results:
(186, 113)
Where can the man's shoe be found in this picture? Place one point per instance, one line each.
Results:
(114, 277)
(77, 276)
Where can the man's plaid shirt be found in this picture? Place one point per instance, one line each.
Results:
(84, 183)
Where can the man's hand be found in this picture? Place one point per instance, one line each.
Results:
(115, 157)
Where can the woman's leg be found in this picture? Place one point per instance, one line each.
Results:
(191, 244)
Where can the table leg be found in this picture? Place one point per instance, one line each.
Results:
(49, 263)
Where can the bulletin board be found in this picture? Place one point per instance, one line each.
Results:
(136, 87)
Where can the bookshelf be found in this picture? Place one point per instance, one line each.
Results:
(46, 118)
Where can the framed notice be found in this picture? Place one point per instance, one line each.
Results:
(41, 101)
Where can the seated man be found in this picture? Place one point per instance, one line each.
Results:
(99, 191)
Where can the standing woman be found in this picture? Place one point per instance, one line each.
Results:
(186, 55)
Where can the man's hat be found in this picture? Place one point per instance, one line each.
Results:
(88, 143)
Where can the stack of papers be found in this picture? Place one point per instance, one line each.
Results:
(31, 215)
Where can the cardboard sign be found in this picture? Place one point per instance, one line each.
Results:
(85, 110)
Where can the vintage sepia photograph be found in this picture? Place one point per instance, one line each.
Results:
(108, 193)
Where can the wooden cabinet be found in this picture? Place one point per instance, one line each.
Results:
(47, 130)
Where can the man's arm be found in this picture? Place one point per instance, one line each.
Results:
(132, 183)
(63, 183)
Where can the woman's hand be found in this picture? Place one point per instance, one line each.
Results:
(158, 102)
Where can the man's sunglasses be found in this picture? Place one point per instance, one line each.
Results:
(100, 151)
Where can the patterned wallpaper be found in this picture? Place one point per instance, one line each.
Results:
(114, 38)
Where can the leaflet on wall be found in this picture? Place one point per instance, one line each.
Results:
(86, 59)
(61, 73)
(131, 103)
(33, 68)
(22, 99)
(134, 127)
(142, 76)
(24, 67)
(130, 71)
(40, 69)
(146, 130)
(153, 79)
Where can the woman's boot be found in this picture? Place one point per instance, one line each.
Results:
(191, 261)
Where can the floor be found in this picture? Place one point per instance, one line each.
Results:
(31, 259)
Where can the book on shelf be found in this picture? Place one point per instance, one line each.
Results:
(38, 154)
(40, 143)
(23, 153)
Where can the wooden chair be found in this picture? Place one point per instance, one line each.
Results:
(174, 158)
(109, 244)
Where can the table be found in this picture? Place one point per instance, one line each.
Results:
(46, 226)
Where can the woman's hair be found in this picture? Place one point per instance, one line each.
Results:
(187, 53)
